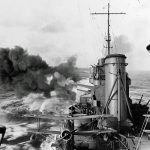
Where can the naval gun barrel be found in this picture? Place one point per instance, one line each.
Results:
(140, 100)
(147, 103)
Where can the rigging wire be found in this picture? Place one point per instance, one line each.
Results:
(94, 45)
(97, 27)
(99, 31)
(91, 19)
(113, 35)
(104, 38)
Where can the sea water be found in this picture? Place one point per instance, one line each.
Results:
(140, 85)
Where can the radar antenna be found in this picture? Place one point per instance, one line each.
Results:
(108, 40)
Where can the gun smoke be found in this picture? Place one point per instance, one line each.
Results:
(121, 45)
(25, 74)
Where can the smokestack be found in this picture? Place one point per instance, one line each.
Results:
(115, 72)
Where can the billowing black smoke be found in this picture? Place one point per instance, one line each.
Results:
(24, 73)
(21, 72)
(68, 69)
(64, 77)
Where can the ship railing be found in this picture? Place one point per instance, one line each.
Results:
(143, 130)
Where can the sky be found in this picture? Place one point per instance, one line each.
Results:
(58, 29)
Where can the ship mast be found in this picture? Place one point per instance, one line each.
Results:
(108, 40)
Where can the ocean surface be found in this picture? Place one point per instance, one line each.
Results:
(140, 85)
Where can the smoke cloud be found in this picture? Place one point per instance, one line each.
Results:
(121, 45)
(64, 77)
(68, 69)
(24, 73)
(54, 27)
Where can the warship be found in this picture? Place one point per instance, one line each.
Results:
(104, 117)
